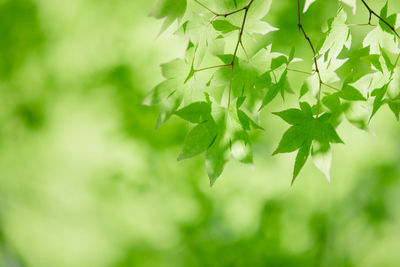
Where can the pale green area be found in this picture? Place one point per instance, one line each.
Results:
(85, 180)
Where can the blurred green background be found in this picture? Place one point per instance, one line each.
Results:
(85, 180)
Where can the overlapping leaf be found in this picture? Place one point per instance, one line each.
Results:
(222, 87)
(170, 10)
(304, 131)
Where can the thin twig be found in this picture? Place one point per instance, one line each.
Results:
(300, 71)
(314, 54)
(203, 5)
(360, 24)
(372, 12)
(239, 41)
(213, 67)
(212, 20)
(332, 87)
(223, 14)
(246, 11)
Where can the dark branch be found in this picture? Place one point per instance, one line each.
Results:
(314, 54)
(224, 14)
(246, 11)
(372, 12)
(239, 41)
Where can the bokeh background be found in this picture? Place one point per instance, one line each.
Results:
(85, 180)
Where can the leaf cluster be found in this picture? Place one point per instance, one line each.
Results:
(221, 88)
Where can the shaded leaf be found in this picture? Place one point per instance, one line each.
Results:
(198, 140)
(301, 158)
(196, 112)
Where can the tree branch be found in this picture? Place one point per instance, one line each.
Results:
(314, 54)
(239, 41)
(372, 12)
(246, 11)
(223, 14)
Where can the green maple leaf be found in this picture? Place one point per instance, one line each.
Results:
(337, 37)
(223, 93)
(232, 140)
(169, 94)
(379, 95)
(224, 26)
(350, 93)
(394, 106)
(379, 39)
(203, 37)
(199, 139)
(274, 90)
(196, 112)
(389, 19)
(305, 129)
(307, 5)
(170, 10)
(351, 3)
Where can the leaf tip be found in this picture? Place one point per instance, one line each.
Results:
(212, 182)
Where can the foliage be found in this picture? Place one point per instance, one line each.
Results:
(86, 181)
(221, 87)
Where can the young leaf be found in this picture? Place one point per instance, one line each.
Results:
(292, 116)
(322, 157)
(218, 154)
(348, 92)
(224, 26)
(244, 79)
(246, 122)
(168, 9)
(292, 139)
(378, 101)
(351, 3)
(307, 5)
(260, 9)
(338, 36)
(168, 107)
(160, 92)
(198, 140)
(389, 19)
(301, 158)
(274, 90)
(174, 69)
(395, 108)
(196, 112)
